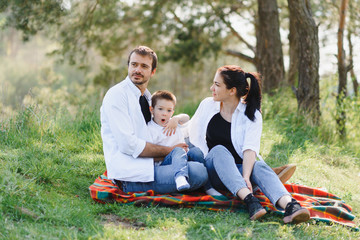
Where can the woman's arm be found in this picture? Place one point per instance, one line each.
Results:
(248, 164)
(182, 118)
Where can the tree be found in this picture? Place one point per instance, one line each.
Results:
(269, 55)
(307, 93)
(342, 70)
(351, 57)
(293, 53)
(353, 25)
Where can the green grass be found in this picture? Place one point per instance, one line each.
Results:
(48, 161)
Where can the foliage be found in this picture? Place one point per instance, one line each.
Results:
(28, 76)
(32, 16)
(97, 33)
(327, 13)
(185, 31)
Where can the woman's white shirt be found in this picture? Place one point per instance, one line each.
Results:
(245, 134)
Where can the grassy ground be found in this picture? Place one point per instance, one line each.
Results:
(48, 160)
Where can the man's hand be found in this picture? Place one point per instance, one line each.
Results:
(182, 145)
(158, 151)
(158, 159)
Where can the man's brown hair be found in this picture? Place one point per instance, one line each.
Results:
(145, 51)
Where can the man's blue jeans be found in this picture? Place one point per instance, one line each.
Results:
(226, 175)
(174, 164)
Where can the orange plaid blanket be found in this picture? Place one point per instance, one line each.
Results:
(323, 206)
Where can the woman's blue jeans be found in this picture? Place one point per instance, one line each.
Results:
(175, 164)
(226, 175)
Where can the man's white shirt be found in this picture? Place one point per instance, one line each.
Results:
(124, 133)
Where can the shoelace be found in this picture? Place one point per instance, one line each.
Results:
(290, 207)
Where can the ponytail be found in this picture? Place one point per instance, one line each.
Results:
(253, 97)
(248, 87)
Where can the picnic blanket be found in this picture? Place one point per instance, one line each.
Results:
(323, 206)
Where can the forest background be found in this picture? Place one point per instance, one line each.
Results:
(58, 58)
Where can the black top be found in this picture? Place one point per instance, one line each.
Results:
(144, 104)
(218, 132)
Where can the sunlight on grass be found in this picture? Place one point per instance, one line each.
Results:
(47, 163)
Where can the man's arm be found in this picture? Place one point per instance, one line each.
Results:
(119, 126)
(158, 152)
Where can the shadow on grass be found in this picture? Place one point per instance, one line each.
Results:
(295, 134)
(195, 223)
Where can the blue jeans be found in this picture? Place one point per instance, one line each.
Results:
(175, 164)
(226, 175)
(178, 159)
(196, 155)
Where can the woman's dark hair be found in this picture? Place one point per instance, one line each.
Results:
(248, 87)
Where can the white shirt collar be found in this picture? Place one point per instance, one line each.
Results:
(239, 107)
(136, 90)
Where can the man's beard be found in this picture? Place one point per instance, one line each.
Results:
(138, 81)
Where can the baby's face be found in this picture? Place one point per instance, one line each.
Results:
(163, 111)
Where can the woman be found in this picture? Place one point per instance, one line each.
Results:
(227, 128)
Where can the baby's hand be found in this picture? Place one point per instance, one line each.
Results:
(171, 126)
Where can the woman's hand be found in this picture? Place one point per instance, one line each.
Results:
(248, 184)
(171, 126)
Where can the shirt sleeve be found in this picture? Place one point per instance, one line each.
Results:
(180, 135)
(192, 127)
(120, 125)
(197, 126)
(252, 133)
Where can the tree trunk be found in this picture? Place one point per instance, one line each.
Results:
(293, 53)
(269, 55)
(354, 82)
(351, 57)
(342, 91)
(308, 81)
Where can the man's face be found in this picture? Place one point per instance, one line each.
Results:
(139, 70)
(162, 111)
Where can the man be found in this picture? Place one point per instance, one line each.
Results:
(129, 155)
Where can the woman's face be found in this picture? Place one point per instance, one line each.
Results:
(219, 90)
